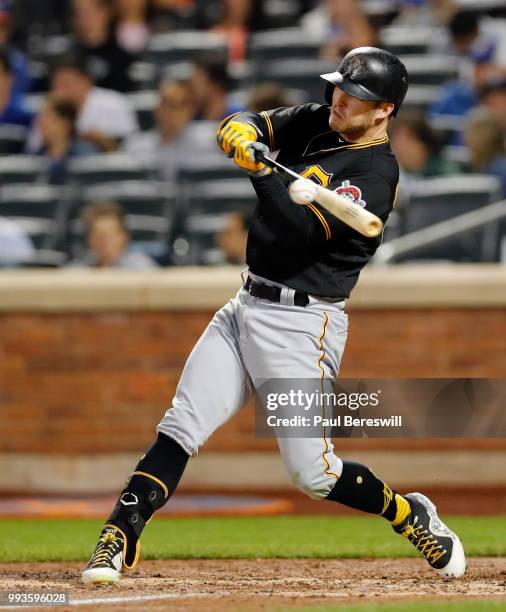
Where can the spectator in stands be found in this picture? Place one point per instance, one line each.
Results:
(234, 24)
(132, 28)
(56, 123)
(169, 15)
(19, 63)
(34, 20)
(93, 22)
(417, 148)
(104, 117)
(341, 25)
(483, 52)
(493, 97)
(108, 240)
(233, 237)
(266, 96)
(12, 104)
(481, 40)
(175, 138)
(211, 85)
(487, 151)
(427, 13)
(15, 246)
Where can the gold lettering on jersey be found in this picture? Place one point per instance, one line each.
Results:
(317, 174)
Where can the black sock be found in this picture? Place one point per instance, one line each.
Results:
(149, 487)
(359, 488)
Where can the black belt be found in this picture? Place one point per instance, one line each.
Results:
(273, 294)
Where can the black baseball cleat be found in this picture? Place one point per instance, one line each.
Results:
(109, 557)
(427, 532)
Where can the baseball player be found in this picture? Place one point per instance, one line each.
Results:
(288, 320)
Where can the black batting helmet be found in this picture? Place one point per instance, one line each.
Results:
(369, 73)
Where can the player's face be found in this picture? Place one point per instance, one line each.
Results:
(353, 117)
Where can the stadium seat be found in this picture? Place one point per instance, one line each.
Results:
(136, 197)
(286, 43)
(203, 135)
(439, 199)
(34, 102)
(94, 169)
(380, 13)
(176, 47)
(431, 69)
(447, 127)
(280, 14)
(145, 228)
(298, 74)
(55, 46)
(420, 97)
(21, 169)
(144, 104)
(393, 227)
(12, 138)
(219, 196)
(408, 40)
(150, 208)
(38, 208)
(39, 72)
(144, 76)
(501, 247)
(194, 171)
(149, 234)
(45, 258)
(200, 232)
(458, 154)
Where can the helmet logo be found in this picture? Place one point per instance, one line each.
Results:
(351, 192)
(355, 68)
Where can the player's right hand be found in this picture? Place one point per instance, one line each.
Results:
(234, 132)
(245, 156)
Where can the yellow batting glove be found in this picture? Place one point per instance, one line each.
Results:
(245, 153)
(232, 133)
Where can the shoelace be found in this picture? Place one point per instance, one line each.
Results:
(106, 549)
(425, 542)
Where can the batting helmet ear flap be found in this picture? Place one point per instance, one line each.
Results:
(329, 91)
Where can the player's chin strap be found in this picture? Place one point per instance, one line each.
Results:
(147, 489)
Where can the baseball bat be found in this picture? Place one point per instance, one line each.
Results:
(352, 214)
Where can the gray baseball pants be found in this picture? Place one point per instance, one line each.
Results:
(250, 340)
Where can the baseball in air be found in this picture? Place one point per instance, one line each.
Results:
(302, 191)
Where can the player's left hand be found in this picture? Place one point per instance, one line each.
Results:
(245, 156)
(232, 133)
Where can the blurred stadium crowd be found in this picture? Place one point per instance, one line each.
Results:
(108, 110)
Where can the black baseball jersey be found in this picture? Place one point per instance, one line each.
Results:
(305, 247)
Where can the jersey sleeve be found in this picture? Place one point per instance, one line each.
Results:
(371, 191)
(276, 128)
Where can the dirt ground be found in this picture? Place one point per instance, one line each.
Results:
(258, 584)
